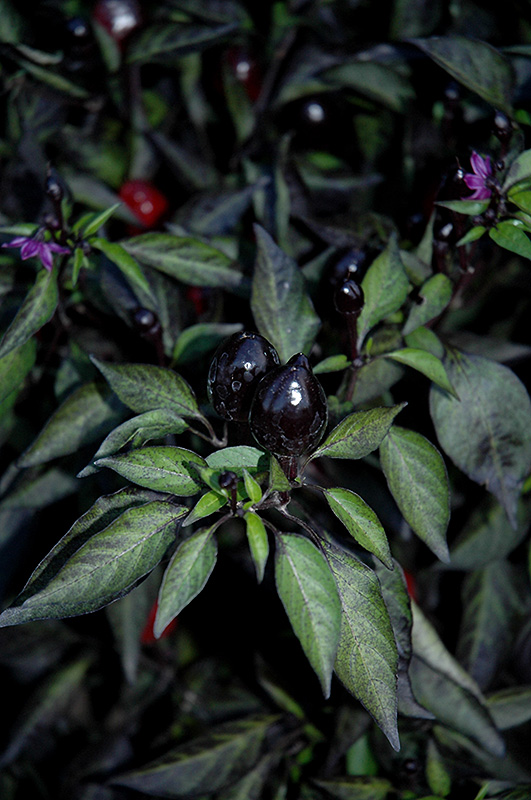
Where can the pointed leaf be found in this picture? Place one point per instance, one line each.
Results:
(281, 306)
(188, 260)
(85, 415)
(486, 431)
(14, 367)
(185, 577)
(354, 787)
(358, 434)
(105, 567)
(477, 65)
(203, 765)
(162, 468)
(278, 481)
(511, 237)
(97, 221)
(258, 542)
(434, 296)
(197, 340)
(164, 40)
(208, 504)
(417, 478)
(385, 287)
(510, 707)
(309, 596)
(145, 387)
(37, 308)
(361, 522)
(519, 171)
(252, 487)
(125, 263)
(238, 458)
(367, 658)
(426, 363)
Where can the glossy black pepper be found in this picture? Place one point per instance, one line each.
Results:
(238, 364)
(349, 298)
(228, 479)
(289, 411)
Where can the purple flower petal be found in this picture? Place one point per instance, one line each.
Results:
(481, 166)
(29, 249)
(18, 241)
(57, 248)
(474, 181)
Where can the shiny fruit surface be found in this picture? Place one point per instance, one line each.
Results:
(289, 413)
(119, 17)
(145, 201)
(235, 370)
(349, 298)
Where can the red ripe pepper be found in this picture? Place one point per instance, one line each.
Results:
(145, 201)
(411, 585)
(119, 17)
(147, 636)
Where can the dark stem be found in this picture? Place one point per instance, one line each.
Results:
(290, 467)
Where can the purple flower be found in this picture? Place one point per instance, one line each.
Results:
(33, 247)
(478, 179)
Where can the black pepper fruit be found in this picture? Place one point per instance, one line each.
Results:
(289, 411)
(349, 298)
(238, 365)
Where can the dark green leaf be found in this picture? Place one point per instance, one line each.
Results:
(471, 208)
(40, 489)
(367, 658)
(136, 432)
(14, 367)
(37, 308)
(520, 170)
(252, 487)
(145, 387)
(444, 688)
(215, 213)
(510, 707)
(379, 82)
(477, 65)
(434, 296)
(189, 167)
(126, 263)
(202, 765)
(361, 522)
(185, 576)
(158, 42)
(97, 221)
(486, 537)
(358, 434)
(197, 340)
(162, 468)
(522, 199)
(105, 567)
(278, 481)
(490, 604)
(385, 287)
(425, 339)
(238, 458)
(208, 504)
(486, 431)
(281, 306)
(472, 236)
(85, 415)
(374, 379)
(309, 596)
(258, 542)
(429, 365)
(511, 237)
(416, 476)
(189, 260)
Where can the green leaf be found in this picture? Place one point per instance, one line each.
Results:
(510, 707)
(14, 367)
(472, 236)
(308, 593)
(136, 432)
(258, 542)
(417, 478)
(164, 40)
(238, 458)
(519, 171)
(252, 487)
(188, 260)
(425, 339)
(472, 208)
(125, 263)
(367, 658)
(281, 306)
(361, 522)
(486, 537)
(429, 365)
(358, 434)
(203, 765)
(521, 198)
(145, 387)
(332, 364)
(385, 287)
(379, 82)
(486, 431)
(490, 604)
(374, 379)
(94, 222)
(197, 340)
(278, 481)
(475, 64)
(356, 788)
(85, 416)
(186, 575)
(105, 567)
(37, 309)
(512, 238)
(434, 296)
(208, 504)
(443, 687)
(162, 468)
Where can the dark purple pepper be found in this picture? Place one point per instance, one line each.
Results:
(238, 365)
(289, 412)
(349, 298)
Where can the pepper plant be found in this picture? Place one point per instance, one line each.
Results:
(265, 425)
